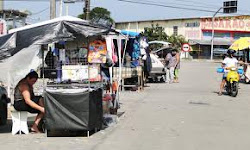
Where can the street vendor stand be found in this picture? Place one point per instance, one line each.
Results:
(72, 102)
(128, 68)
(73, 99)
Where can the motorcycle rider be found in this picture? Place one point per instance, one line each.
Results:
(228, 62)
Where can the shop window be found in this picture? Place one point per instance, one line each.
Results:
(216, 35)
(239, 35)
(222, 35)
(192, 24)
(175, 30)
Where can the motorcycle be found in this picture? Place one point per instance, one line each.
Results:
(232, 80)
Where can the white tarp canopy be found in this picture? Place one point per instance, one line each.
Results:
(12, 71)
(19, 50)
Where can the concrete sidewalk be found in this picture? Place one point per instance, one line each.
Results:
(41, 141)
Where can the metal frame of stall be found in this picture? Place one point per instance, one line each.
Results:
(119, 39)
(57, 84)
(139, 73)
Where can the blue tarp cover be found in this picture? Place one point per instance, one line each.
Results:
(130, 33)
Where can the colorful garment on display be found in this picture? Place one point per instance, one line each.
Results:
(135, 63)
(129, 47)
(136, 50)
(97, 52)
(111, 49)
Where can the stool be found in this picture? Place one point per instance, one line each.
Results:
(19, 122)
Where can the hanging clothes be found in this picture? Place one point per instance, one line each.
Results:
(110, 61)
(109, 43)
(114, 54)
(143, 46)
(136, 50)
(147, 63)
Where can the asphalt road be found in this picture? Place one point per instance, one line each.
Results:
(184, 116)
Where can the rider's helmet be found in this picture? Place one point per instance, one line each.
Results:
(230, 52)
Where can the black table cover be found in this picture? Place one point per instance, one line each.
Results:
(73, 111)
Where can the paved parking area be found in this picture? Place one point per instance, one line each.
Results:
(185, 116)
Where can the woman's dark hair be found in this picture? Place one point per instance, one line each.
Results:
(32, 75)
(174, 50)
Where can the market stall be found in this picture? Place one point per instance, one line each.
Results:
(136, 61)
(69, 52)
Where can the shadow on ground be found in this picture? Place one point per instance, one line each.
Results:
(66, 133)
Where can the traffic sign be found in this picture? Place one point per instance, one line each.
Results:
(185, 47)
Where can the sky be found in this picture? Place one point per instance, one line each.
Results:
(128, 11)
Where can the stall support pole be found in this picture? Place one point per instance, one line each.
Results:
(139, 83)
(111, 68)
(124, 51)
(88, 69)
(120, 70)
(142, 79)
(111, 76)
(43, 66)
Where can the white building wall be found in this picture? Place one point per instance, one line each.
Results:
(187, 32)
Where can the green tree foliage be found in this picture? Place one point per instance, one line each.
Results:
(99, 15)
(157, 33)
(28, 12)
(81, 16)
(177, 41)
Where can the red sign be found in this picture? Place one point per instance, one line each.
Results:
(3, 27)
(239, 23)
(185, 47)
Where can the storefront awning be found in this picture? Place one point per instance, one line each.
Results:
(208, 42)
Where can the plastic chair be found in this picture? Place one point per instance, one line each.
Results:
(19, 122)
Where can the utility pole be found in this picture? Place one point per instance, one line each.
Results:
(60, 8)
(52, 9)
(1, 5)
(87, 9)
(212, 41)
(228, 7)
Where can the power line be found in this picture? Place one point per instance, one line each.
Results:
(171, 6)
(195, 2)
(36, 13)
(167, 6)
(203, 6)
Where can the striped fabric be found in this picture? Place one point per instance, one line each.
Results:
(127, 72)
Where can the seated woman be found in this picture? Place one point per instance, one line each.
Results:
(25, 100)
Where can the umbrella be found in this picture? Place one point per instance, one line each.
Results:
(241, 44)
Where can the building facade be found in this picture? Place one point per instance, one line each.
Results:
(11, 19)
(198, 31)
